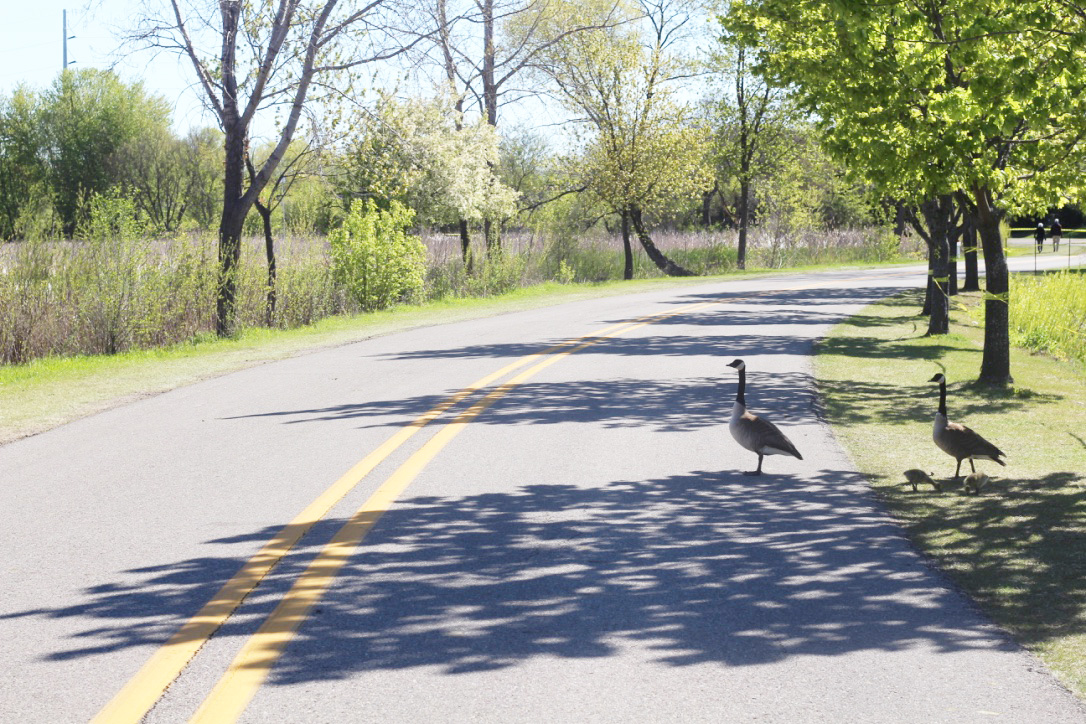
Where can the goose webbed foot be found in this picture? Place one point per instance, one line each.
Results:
(758, 471)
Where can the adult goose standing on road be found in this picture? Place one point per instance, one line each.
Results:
(957, 440)
(756, 433)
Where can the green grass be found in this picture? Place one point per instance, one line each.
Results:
(1019, 547)
(1048, 312)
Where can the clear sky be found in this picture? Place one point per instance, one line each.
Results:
(31, 51)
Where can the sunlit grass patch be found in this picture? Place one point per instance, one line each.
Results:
(1048, 312)
(1019, 547)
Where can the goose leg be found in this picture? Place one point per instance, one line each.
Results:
(759, 470)
(958, 470)
(972, 466)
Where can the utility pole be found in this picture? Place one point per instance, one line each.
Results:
(64, 15)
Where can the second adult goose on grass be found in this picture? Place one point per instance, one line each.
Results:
(756, 433)
(957, 440)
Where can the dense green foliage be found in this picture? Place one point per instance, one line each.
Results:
(374, 257)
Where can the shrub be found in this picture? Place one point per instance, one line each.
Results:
(116, 289)
(374, 258)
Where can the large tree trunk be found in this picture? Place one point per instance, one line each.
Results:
(658, 257)
(234, 210)
(972, 282)
(972, 268)
(465, 246)
(744, 223)
(937, 215)
(995, 366)
(229, 260)
(491, 230)
(627, 248)
(269, 250)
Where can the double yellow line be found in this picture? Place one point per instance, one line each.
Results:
(250, 668)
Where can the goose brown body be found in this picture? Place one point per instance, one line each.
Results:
(957, 440)
(755, 433)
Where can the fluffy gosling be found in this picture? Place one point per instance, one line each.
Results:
(916, 477)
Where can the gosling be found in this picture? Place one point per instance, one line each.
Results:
(974, 482)
(916, 477)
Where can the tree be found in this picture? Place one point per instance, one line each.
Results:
(294, 167)
(86, 117)
(22, 167)
(157, 170)
(485, 46)
(424, 154)
(641, 148)
(933, 225)
(750, 125)
(204, 161)
(277, 56)
(983, 100)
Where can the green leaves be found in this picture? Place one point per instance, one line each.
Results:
(639, 147)
(426, 155)
(935, 98)
(373, 256)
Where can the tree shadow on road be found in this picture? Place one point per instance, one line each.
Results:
(706, 566)
(665, 405)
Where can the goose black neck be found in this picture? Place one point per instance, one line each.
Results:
(942, 397)
(740, 396)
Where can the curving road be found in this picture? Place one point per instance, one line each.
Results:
(553, 526)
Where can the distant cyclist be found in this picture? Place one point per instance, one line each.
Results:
(1057, 232)
(1039, 235)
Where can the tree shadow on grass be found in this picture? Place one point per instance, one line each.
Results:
(1019, 546)
(851, 403)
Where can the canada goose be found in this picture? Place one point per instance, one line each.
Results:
(755, 433)
(916, 477)
(975, 481)
(957, 440)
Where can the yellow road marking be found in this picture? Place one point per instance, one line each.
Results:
(149, 684)
(253, 663)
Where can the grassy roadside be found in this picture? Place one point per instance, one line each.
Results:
(1019, 547)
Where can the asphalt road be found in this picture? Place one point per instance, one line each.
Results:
(580, 545)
